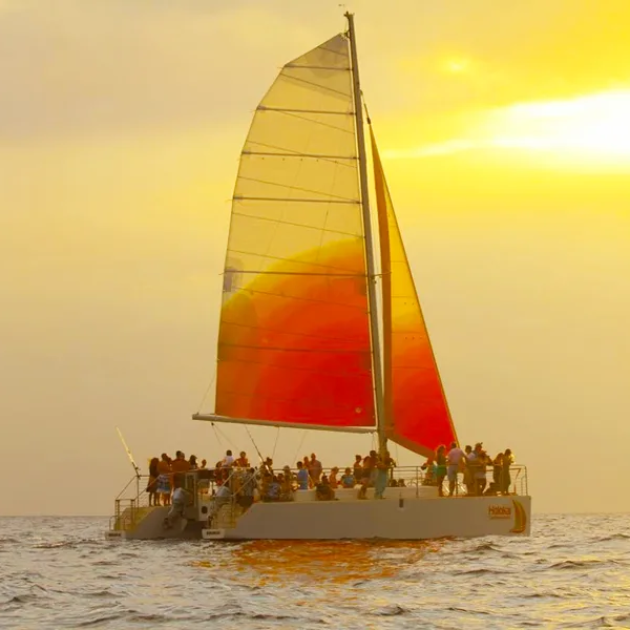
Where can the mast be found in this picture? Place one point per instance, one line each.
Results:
(369, 244)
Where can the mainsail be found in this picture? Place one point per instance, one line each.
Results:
(417, 414)
(294, 341)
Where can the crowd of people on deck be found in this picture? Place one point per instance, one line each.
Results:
(473, 464)
(234, 477)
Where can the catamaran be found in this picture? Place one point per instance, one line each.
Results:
(314, 335)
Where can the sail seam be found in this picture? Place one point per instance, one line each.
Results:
(349, 375)
(319, 86)
(333, 52)
(289, 187)
(300, 225)
(316, 122)
(257, 394)
(279, 349)
(302, 155)
(299, 66)
(304, 273)
(295, 200)
(284, 332)
(284, 110)
(294, 261)
(303, 299)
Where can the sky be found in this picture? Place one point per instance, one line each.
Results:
(505, 138)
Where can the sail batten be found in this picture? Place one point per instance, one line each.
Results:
(417, 413)
(294, 344)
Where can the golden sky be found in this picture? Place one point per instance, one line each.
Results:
(505, 136)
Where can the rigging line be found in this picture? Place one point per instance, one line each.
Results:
(216, 435)
(210, 384)
(273, 453)
(225, 437)
(300, 445)
(262, 460)
(365, 107)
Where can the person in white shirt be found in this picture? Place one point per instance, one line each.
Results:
(453, 460)
(229, 459)
(179, 499)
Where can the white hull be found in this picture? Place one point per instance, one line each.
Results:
(393, 518)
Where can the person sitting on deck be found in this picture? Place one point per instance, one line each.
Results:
(302, 476)
(242, 461)
(429, 472)
(285, 479)
(179, 500)
(323, 491)
(348, 480)
(332, 478)
(267, 466)
(228, 460)
(273, 490)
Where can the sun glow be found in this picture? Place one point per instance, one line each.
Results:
(586, 129)
(457, 65)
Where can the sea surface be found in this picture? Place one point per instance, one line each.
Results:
(574, 572)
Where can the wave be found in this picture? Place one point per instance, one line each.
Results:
(391, 611)
(579, 564)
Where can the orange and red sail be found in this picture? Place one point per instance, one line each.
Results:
(294, 336)
(294, 341)
(417, 414)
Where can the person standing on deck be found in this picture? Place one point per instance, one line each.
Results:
(302, 476)
(440, 470)
(506, 479)
(179, 500)
(453, 461)
(383, 466)
(315, 469)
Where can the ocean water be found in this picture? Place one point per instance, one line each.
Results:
(574, 572)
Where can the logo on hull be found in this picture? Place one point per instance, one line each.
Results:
(499, 511)
(520, 518)
(506, 512)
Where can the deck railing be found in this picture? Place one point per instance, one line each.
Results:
(132, 503)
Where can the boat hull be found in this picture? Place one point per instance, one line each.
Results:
(387, 519)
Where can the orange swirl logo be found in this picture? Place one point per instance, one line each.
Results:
(520, 518)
